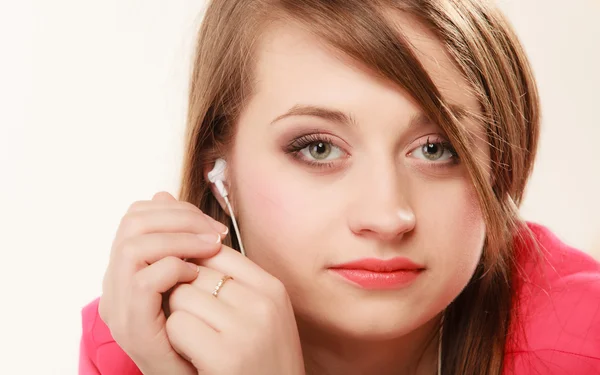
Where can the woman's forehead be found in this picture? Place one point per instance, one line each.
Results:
(290, 57)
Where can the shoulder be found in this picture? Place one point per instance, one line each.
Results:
(556, 322)
(99, 353)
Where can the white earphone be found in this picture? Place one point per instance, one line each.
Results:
(217, 177)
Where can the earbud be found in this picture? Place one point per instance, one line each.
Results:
(217, 176)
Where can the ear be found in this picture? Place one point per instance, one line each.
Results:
(214, 190)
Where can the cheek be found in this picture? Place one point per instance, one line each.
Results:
(452, 214)
(281, 220)
(271, 205)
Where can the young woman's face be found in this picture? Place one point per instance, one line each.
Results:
(331, 165)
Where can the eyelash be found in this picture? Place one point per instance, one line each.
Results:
(298, 144)
(294, 147)
(445, 146)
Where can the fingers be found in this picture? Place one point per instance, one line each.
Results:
(164, 201)
(165, 221)
(232, 293)
(184, 331)
(164, 196)
(147, 249)
(218, 226)
(231, 262)
(146, 291)
(202, 305)
(145, 264)
(139, 298)
(164, 274)
(161, 205)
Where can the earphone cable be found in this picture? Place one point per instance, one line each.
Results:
(235, 226)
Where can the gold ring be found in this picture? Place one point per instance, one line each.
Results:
(220, 284)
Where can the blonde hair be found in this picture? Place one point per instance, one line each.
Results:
(485, 49)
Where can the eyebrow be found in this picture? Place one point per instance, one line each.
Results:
(325, 113)
(347, 119)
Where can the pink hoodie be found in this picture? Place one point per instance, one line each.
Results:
(558, 318)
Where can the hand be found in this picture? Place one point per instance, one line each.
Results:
(145, 262)
(249, 328)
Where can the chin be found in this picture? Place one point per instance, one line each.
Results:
(380, 330)
(382, 320)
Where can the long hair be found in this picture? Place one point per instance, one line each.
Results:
(484, 48)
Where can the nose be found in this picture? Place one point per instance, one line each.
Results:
(382, 209)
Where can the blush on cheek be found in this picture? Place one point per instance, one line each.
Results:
(449, 218)
(472, 230)
(272, 202)
(473, 212)
(278, 227)
(291, 205)
(274, 213)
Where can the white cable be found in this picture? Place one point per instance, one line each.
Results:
(235, 226)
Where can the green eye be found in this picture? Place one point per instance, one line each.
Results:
(316, 150)
(319, 150)
(437, 151)
(433, 151)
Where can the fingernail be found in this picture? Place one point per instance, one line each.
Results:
(223, 230)
(210, 238)
(220, 227)
(193, 266)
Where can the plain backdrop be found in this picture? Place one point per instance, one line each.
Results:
(92, 109)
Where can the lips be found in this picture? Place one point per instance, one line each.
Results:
(381, 265)
(373, 273)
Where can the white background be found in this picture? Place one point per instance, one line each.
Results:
(92, 108)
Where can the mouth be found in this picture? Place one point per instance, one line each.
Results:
(379, 274)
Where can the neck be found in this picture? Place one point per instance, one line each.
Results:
(327, 353)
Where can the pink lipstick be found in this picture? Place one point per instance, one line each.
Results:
(373, 273)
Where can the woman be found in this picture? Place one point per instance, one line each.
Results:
(376, 156)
